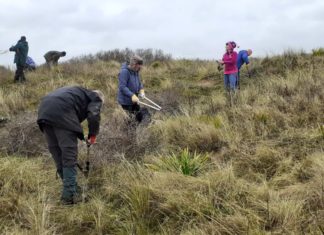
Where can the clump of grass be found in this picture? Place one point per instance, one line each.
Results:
(216, 121)
(187, 163)
(321, 131)
(318, 52)
(262, 117)
(188, 132)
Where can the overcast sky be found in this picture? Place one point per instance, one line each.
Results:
(184, 28)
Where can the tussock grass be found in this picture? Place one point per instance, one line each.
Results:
(183, 132)
(253, 167)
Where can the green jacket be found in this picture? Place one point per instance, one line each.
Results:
(21, 49)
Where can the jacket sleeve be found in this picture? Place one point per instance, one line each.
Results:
(93, 116)
(123, 79)
(246, 58)
(14, 48)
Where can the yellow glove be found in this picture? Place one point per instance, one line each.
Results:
(135, 99)
(141, 94)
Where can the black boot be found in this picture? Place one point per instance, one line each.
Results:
(69, 193)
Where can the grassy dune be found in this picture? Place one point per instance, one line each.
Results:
(203, 166)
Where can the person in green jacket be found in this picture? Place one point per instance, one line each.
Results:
(21, 52)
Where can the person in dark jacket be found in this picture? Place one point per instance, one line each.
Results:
(59, 116)
(52, 57)
(21, 52)
(130, 88)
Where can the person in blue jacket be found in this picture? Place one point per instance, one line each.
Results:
(243, 58)
(30, 64)
(130, 88)
(21, 52)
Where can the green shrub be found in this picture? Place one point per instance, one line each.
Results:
(185, 162)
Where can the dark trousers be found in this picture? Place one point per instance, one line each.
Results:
(63, 146)
(19, 75)
(133, 111)
(141, 115)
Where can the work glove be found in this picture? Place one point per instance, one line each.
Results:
(92, 139)
(135, 99)
(141, 94)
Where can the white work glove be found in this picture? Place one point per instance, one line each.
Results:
(141, 94)
(135, 99)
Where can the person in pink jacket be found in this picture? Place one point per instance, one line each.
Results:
(230, 70)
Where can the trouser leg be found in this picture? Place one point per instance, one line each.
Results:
(16, 78)
(233, 81)
(137, 113)
(226, 82)
(54, 148)
(20, 76)
(143, 116)
(133, 111)
(68, 143)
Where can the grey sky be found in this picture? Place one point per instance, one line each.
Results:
(184, 28)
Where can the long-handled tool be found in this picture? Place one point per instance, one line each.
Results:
(149, 105)
(153, 105)
(85, 171)
(152, 102)
(3, 51)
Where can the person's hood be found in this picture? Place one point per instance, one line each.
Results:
(23, 42)
(124, 65)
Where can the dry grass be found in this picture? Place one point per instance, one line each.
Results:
(265, 167)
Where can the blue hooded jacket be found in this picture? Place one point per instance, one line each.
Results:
(129, 84)
(30, 62)
(242, 58)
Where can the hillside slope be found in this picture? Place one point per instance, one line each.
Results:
(205, 165)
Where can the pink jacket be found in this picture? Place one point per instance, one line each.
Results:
(230, 60)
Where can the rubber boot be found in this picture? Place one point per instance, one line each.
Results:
(69, 186)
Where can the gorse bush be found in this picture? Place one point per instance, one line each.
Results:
(184, 162)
